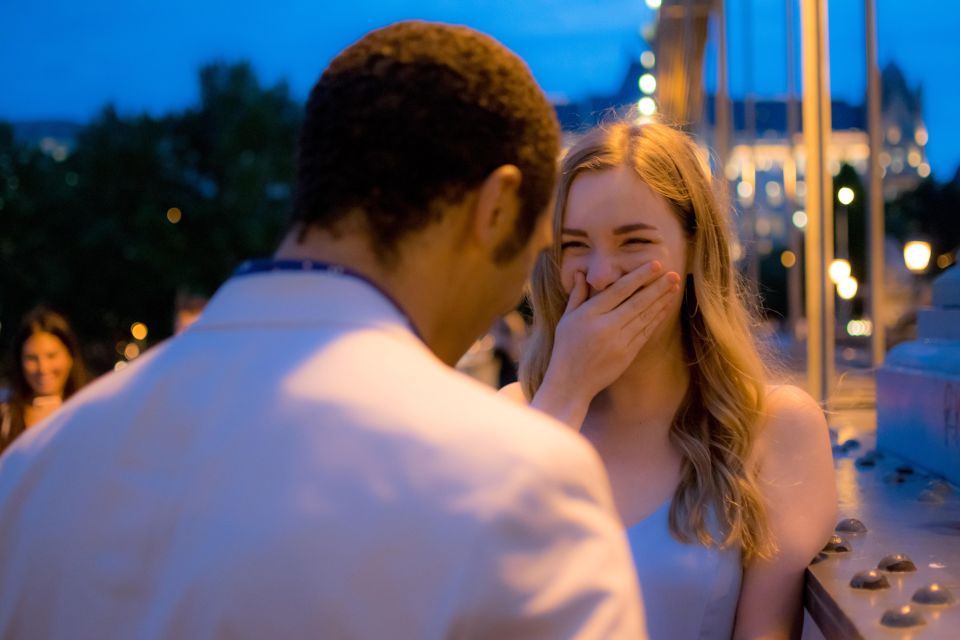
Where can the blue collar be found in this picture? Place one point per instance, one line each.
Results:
(269, 265)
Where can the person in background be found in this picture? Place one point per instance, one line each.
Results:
(643, 343)
(46, 368)
(303, 461)
(509, 333)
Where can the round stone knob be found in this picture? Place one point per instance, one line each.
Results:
(895, 477)
(933, 594)
(851, 525)
(897, 563)
(836, 544)
(930, 497)
(939, 487)
(902, 617)
(872, 580)
(851, 444)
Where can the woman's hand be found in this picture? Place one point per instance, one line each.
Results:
(598, 338)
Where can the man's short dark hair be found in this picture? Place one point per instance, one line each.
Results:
(414, 115)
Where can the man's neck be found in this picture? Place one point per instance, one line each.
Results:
(416, 284)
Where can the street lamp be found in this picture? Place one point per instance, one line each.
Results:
(648, 83)
(916, 255)
(646, 106)
(847, 288)
(839, 271)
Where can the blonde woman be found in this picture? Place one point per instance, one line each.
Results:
(643, 343)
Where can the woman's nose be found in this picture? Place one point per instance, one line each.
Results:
(602, 272)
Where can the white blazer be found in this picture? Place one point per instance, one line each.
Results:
(299, 464)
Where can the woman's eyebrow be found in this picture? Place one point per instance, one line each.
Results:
(619, 231)
(639, 226)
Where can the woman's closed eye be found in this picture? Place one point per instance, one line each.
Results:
(637, 241)
(572, 244)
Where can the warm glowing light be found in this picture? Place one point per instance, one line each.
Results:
(745, 190)
(847, 288)
(800, 219)
(914, 158)
(884, 159)
(647, 106)
(839, 271)
(788, 259)
(774, 190)
(763, 227)
(801, 189)
(131, 351)
(648, 84)
(944, 260)
(732, 171)
(923, 170)
(120, 364)
(736, 251)
(174, 215)
(921, 136)
(916, 255)
(845, 195)
(654, 4)
(893, 134)
(138, 330)
(858, 328)
(648, 59)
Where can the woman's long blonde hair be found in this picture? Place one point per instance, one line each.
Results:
(715, 426)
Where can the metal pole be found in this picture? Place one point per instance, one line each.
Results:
(819, 244)
(794, 235)
(750, 122)
(722, 106)
(875, 221)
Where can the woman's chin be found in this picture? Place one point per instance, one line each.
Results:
(46, 391)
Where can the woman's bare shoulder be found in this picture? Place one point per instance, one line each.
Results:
(514, 391)
(792, 416)
(795, 459)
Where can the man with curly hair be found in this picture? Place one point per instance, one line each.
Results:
(302, 461)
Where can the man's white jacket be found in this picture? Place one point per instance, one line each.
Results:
(299, 464)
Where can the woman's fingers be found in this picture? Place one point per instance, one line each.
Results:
(579, 292)
(642, 327)
(621, 290)
(662, 289)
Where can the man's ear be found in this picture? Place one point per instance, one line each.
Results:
(497, 205)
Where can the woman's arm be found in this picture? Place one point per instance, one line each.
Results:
(570, 409)
(797, 480)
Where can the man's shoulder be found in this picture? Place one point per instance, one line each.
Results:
(514, 440)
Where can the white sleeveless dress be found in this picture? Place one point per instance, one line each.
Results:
(689, 591)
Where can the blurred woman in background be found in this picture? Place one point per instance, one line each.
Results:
(46, 369)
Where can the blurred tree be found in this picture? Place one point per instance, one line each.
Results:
(145, 207)
(931, 211)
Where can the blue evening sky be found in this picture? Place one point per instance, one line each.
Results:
(65, 60)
